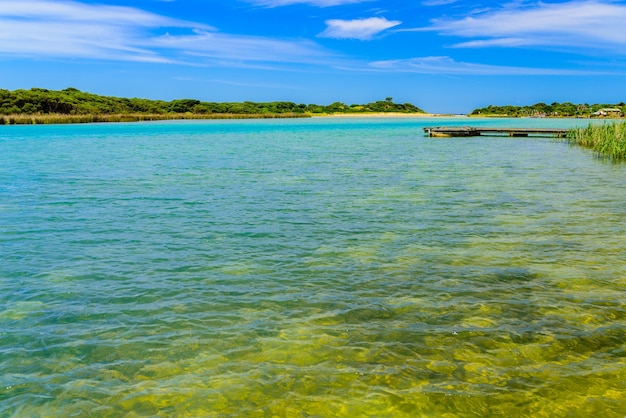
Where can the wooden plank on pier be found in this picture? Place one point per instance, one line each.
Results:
(454, 131)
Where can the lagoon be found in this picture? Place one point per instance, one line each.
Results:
(309, 268)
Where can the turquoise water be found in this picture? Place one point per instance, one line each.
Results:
(309, 268)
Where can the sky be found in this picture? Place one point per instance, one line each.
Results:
(444, 56)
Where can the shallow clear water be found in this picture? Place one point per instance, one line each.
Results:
(308, 268)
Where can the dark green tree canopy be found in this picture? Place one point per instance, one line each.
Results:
(72, 101)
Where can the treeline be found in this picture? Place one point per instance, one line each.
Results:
(566, 109)
(71, 101)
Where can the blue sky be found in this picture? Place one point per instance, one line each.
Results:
(445, 56)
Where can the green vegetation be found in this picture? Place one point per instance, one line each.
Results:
(43, 119)
(566, 109)
(74, 106)
(607, 139)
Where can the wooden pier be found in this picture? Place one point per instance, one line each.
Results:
(453, 131)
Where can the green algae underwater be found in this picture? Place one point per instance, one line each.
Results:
(308, 268)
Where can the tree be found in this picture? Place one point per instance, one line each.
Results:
(183, 105)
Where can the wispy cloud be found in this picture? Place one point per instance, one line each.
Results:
(438, 2)
(362, 29)
(317, 3)
(240, 84)
(225, 48)
(71, 29)
(574, 24)
(443, 65)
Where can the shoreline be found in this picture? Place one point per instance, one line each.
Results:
(62, 119)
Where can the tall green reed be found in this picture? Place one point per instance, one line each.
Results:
(608, 139)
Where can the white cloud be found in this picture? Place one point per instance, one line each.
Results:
(71, 29)
(447, 66)
(573, 24)
(72, 11)
(363, 29)
(78, 40)
(318, 3)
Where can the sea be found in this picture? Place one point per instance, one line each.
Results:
(323, 267)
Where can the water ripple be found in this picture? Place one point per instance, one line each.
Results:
(308, 268)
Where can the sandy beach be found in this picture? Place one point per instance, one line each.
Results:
(388, 115)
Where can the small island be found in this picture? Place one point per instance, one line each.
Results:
(554, 110)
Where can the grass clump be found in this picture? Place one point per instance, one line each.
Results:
(608, 140)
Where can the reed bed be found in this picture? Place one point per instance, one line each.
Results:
(608, 140)
(48, 119)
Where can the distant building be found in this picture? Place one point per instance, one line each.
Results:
(608, 113)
